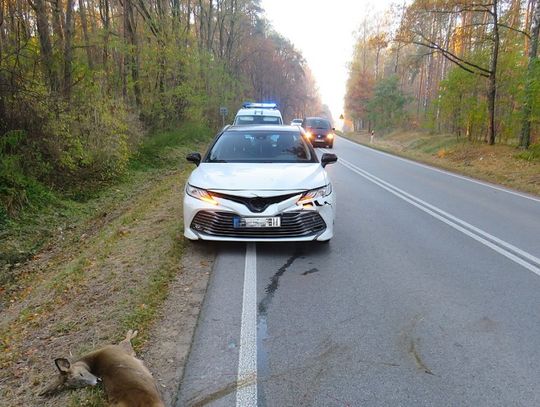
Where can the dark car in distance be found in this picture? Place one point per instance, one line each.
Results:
(319, 131)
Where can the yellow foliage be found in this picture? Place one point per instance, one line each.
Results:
(442, 153)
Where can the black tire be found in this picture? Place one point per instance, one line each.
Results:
(331, 145)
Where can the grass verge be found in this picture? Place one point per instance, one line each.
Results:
(498, 164)
(108, 273)
(62, 217)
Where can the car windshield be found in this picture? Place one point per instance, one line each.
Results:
(261, 146)
(318, 124)
(256, 119)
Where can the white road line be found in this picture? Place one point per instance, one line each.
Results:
(458, 224)
(246, 392)
(479, 231)
(508, 191)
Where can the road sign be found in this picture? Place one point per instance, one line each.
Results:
(224, 112)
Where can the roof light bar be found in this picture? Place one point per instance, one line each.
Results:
(250, 105)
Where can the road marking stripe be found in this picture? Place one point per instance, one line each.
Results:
(246, 391)
(486, 184)
(495, 239)
(451, 220)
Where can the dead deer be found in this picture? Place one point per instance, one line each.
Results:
(127, 382)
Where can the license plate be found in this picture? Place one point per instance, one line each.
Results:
(270, 222)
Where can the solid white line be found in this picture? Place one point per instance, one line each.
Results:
(508, 191)
(246, 392)
(479, 231)
(424, 206)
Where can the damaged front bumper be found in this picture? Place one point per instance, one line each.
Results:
(308, 221)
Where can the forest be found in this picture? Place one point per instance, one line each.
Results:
(463, 67)
(84, 82)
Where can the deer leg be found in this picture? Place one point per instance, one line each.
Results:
(126, 343)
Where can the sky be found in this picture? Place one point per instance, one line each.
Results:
(323, 30)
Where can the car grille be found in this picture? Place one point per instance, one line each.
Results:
(256, 204)
(293, 224)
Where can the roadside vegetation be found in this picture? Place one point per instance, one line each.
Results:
(84, 84)
(499, 164)
(106, 268)
(464, 68)
(93, 93)
(99, 103)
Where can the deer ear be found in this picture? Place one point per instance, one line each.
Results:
(62, 364)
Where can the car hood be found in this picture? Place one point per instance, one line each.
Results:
(257, 178)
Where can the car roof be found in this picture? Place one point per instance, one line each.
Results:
(317, 118)
(264, 127)
(258, 112)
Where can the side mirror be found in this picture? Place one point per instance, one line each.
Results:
(194, 158)
(333, 129)
(328, 158)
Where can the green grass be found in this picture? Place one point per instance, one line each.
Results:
(129, 203)
(88, 397)
(431, 145)
(50, 214)
(151, 296)
(532, 154)
(161, 149)
(70, 275)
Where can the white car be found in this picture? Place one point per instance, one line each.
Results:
(296, 122)
(260, 183)
(258, 113)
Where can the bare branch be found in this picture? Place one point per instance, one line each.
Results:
(456, 60)
(446, 53)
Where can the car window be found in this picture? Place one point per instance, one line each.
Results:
(318, 124)
(258, 119)
(261, 146)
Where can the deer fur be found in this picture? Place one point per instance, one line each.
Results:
(127, 382)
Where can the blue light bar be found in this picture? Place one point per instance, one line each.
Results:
(250, 105)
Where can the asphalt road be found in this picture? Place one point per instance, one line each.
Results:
(428, 295)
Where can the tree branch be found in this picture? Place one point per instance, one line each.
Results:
(436, 46)
(456, 60)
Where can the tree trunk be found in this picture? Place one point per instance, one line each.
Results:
(3, 89)
(492, 86)
(106, 19)
(201, 25)
(525, 136)
(377, 54)
(42, 23)
(68, 50)
(232, 32)
(84, 26)
(132, 56)
(57, 22)
(209, 28)
(188, 21)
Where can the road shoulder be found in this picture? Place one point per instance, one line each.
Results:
(498, 164)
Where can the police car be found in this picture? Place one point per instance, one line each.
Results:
(258, 113)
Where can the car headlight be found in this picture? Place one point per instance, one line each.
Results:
(201, 194)
(330, 136)
(313, 194)
(308, 134)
